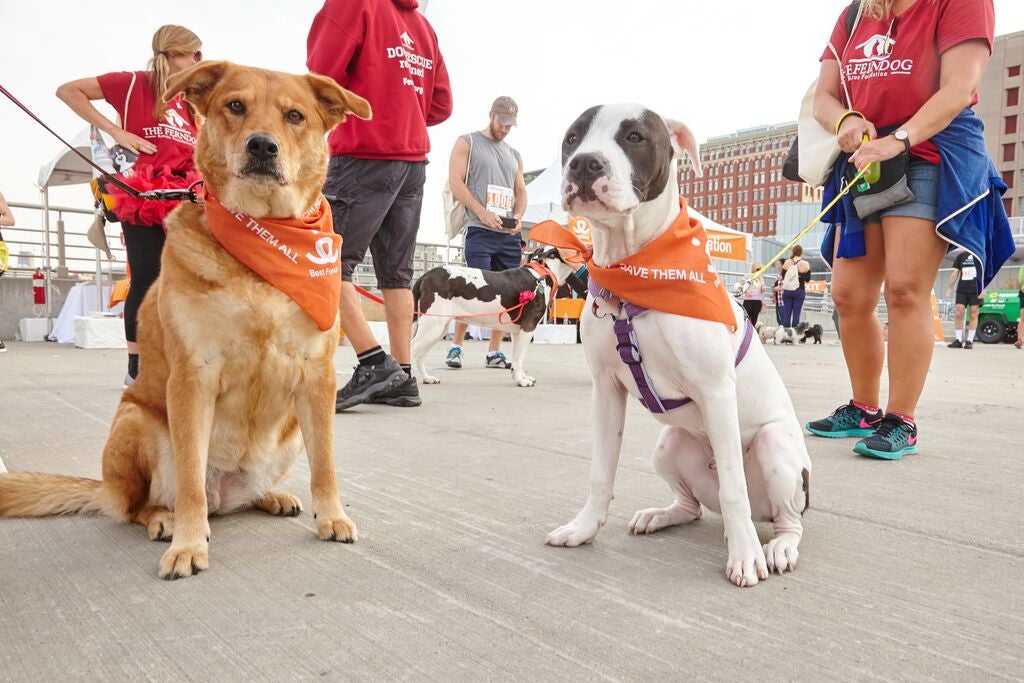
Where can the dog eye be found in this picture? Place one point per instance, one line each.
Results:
(295, 116)
(236, 107)
(635, 137)
(571, 139)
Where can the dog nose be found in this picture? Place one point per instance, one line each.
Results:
(589, 165)
(261, 146)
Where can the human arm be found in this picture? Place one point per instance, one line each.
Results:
(952, 280)
(457, 166)
(441, 96)
(828, 108)
(6, 217)
(960, 71)
(78, 95)
(519, 207)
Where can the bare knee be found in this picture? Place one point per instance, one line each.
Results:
(906, 295)
(852, 302)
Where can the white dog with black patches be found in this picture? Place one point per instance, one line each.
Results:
(737, 448)
(481, 297)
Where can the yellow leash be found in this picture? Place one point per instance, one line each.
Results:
(814, 221)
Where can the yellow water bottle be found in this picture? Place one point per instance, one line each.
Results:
(872, 174)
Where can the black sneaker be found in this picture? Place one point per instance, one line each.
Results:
(2, 347)
(405, 395)
(955, 344)
(893, 439)
(968, 345)
(846, 420)
(367, 382)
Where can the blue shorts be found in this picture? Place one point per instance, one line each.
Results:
(923, 180)
(490, 250)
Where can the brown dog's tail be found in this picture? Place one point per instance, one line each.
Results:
(31, 494)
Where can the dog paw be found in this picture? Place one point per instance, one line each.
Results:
(650, 520)
(161, 527)
(574, 533)
(781, 553)
(340, 529)
(746, 564)
(430, 379)
(179, 562)
(279, 504)
(526, 381)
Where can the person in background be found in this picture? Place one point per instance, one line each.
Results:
(163, 134)
(926, 59)
(796, 273)
(386, 52)
(6, 221)
(486, 174)
(777, 293)
(1020, 319)
(966, 276)
(753, 297)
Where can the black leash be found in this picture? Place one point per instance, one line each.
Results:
(188, 193)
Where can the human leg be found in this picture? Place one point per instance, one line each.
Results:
(144, 245)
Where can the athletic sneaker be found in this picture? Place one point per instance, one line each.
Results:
(968, 345)
(454, 359)
(2, 347)
(128, 380)
(405, 395)
(497, 360)
(367, 382)
(847, 420)
(955, 344)
(893, 439)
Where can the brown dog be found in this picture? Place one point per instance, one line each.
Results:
(236, 377)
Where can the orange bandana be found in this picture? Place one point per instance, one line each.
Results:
(300, 256)
(672, 274)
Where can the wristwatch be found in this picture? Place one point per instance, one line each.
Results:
(903, 137)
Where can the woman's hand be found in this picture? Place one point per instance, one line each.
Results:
(880, 149)
(132, 141)
(852, 132)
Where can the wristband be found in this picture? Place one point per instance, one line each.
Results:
(842, 118)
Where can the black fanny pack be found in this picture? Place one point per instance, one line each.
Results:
(891, 188)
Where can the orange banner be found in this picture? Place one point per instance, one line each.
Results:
(727, 245)
(816, 286)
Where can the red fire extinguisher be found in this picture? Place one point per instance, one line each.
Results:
(39, 287)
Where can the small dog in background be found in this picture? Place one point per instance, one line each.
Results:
(809, 331)
(775, 333)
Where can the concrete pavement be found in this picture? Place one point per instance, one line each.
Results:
(908, 570)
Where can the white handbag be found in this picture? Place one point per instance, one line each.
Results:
(454, 210)
(819, 148)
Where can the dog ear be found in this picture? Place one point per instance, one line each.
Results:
(335, 102)
(683, 140)
(197, 83)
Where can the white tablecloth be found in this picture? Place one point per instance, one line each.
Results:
(81, 301)
(99, 332)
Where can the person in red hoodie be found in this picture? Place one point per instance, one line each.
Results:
(387, 53)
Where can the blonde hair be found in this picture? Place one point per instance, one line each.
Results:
(168, 40)
(756, 266)
(877, 9)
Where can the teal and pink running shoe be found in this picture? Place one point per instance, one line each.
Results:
(848, 419)
(893, 438)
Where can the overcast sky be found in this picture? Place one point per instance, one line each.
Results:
(718, 65)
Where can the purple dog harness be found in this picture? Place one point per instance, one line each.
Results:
(629, 351)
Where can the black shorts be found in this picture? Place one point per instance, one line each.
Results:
(375, 204)
(968, 299)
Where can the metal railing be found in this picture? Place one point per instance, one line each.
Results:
(71, 253)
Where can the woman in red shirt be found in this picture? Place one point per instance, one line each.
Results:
(163, 134)
(911, 68)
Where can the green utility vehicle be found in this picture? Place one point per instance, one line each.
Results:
(998, 316)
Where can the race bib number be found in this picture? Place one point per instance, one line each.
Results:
(968, 273)
(500, 200)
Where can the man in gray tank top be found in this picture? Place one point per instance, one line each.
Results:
(486, 175)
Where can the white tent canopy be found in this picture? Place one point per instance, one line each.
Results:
(544, 196)
(67, 168)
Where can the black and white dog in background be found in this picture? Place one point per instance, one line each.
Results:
(478, 297)
(737, 447)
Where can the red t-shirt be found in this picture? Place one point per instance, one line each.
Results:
(386, 52)
(174, 137)
(890, 88)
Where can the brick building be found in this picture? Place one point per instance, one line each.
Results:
(1000, 108)
(743, 182)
